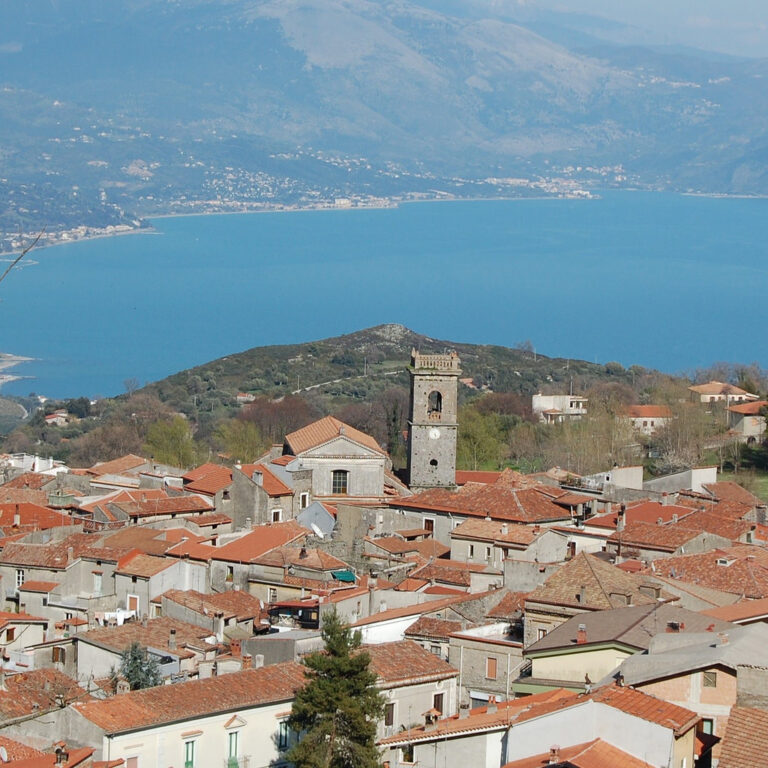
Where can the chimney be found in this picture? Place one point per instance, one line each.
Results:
(247, 661)
(258, 660)
(722, 638)
(463, 711)
(16, 517)
(122, 686)
(62, 756)
(581, 634)
(236, 647)
(257, 477)
(144, 620)
(491, 705)
(664, 499)
(554, 754)
(70, 554)
(621, 518)
(172, 640)
(302, 553)
(504, 529)
(674, 517)
(342, 430)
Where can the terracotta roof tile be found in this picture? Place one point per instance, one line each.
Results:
(406, 662)
(33, 480)
(745, 742)
(433, 629)
(170, 703)
(31, 516)
(259, 541)
(20, 495)
(603, 585)
(718, 388)
(39, 586)
(232, 603)
(749, 409)
(432, 606)
(493, 530)
(208, 479)
(155, 634)
(648, 412)
(464, 476)
(665, 538)
(592, 754)
(15, 750)
(143, 566)
(448, 572)
(325, 430)
(313, 559)
(509, 607)
(118, 466)
(724, 490)
(740, 611)
(270, 482)
(742, 570)
(37, 691)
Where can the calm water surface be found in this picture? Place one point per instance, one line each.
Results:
(666, 281)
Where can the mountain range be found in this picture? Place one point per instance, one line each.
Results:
(111, 111)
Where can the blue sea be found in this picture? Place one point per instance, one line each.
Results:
(660, 280)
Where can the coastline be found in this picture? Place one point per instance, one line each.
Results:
(10, 361)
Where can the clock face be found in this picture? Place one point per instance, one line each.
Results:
(434, 433)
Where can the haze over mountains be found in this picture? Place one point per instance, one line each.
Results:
(108, 111)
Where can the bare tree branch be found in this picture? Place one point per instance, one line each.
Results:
(23, 253)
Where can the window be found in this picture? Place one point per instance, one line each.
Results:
(233, 739)
(710, 680)
(58, 655)
(340, 481)
(707, 725)
(389, 714)
(272, 595)
(10, 633)
(490, 668)
(435, 649)
(429, 524)
(487, 553)
(97, 583)
(471, 550)
(230, 573)
(19, 578)
(540, 633)
(276, 515)
(303, 500)
(283, 735)
(437, 702)
(189, 754)
(435, 402)
(132, 762)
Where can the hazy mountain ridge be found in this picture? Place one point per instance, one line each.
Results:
(142, 103)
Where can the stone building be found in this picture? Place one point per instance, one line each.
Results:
(433, 421)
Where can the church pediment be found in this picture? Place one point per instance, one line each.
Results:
(341, 446)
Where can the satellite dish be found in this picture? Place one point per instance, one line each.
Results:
(3, 754)
(318, 532)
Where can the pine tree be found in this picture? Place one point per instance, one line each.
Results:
(139, 668)
(338, 709)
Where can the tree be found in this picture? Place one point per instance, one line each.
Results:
(242, 440)
(139, 668)
(339, 707)
(479, 444)
(170, 442)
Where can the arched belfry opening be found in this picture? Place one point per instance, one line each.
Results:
(435, 403)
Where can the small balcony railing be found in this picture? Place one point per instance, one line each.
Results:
(237, 762)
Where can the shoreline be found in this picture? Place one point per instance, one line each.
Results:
(8, 361)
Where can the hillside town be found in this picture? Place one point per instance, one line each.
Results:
(158, 616)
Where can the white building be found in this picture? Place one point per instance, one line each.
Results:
(554, 409)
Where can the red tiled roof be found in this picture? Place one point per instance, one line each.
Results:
(313, 559)
(749, 409)
(283, 461)
(464, 476)
(10, 495)
(15, 750)
(479, 719)
(143, 566)
(270, 482)
(718, 388)
(55, 555)
(36, 692)
(117, 466)
(648, 412)
(644, 511)
(664, 538)
(184, 701)
(75, 757)
(407, 663)
(740, 611)
(208, 479)
(259, 541)
(10, 617)
(592, 754)
(214, 518)
(232, 603)
(726, 490)
(513, 497)
(745, 742)
(493, 530)
(509, 607)
(33, 480)
(603, 585)
(454, 572)
(434, 629)
(156, 633)
(31, 516)
(432, 606)
(325, 430)
(744, 570)
(39, 586)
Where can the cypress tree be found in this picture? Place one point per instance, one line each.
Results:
(336, 713)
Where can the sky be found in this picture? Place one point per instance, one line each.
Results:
(736, 27)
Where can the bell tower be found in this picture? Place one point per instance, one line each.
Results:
(432, 421)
